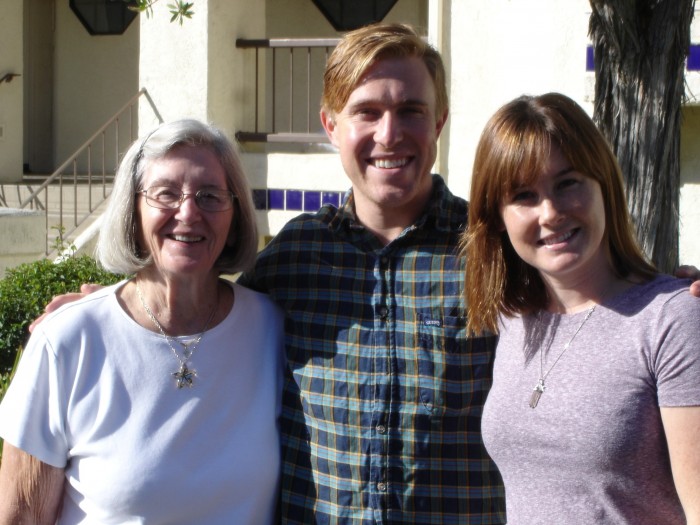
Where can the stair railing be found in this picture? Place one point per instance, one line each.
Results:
(88, 169)
(286, 89)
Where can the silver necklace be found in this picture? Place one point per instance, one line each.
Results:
(185, 375)
(539, 387)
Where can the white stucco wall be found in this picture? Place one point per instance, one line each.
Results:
(11, 94)
(294, 19)
(689, 249)
(302, 19)
(22, 237)
(500, 49)
(690, 163)
(198, 73)
(232, 69)
(173, 65)
(94, 77)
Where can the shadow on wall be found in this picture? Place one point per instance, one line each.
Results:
(689, 249)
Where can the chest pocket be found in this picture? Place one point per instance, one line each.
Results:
(454, 371)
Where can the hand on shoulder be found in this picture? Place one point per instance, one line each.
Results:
(67, 298)
(690, 272)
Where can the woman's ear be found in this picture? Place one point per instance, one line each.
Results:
(501, 225)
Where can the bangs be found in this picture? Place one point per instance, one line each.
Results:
(524, 158)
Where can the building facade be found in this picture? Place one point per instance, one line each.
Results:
(72, 81)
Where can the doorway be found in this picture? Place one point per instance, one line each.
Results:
(39, 45)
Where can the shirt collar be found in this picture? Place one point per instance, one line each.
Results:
(440, 212)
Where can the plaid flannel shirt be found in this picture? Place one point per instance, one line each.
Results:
(384, 392)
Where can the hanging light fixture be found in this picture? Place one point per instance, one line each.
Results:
(104, 17)
(345, 15)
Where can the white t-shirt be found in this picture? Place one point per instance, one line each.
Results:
(94, 394)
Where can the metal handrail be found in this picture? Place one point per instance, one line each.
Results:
(72, 159)
(58, 176)
(294, 131)
(246, 43)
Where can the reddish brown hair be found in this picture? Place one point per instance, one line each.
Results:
(513, 150)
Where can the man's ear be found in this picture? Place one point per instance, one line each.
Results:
(440, 123)
(328, 122)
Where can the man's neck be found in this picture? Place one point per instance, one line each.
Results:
(388, 223)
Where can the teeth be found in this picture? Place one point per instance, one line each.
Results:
(185, 238)
(390, 163)
(559, 238)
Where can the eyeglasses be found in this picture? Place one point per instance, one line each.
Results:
(167, 198)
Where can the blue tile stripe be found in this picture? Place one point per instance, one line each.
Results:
(590, 62)
(294, 200)
(693, 62)
(694, 58)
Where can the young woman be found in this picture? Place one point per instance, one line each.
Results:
(594, 412)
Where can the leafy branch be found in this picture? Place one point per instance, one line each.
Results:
(179, 9)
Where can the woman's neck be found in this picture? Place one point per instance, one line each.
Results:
(180, 306)
(575, 296)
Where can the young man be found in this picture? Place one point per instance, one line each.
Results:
(382, 404)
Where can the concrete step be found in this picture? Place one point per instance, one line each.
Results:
(74, 207)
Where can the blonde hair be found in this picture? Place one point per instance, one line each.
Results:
(362, 48)
(513, 150)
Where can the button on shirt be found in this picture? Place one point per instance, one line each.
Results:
(383, 399)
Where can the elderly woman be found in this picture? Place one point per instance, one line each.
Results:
(594, 412)
(155, 400)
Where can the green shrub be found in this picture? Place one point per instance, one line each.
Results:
(28, 288)
(6, 377)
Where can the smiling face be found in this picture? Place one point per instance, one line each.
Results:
(557, 224)
(387, 136)
(187, 240)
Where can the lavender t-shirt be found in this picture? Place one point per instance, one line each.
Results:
(593, 450)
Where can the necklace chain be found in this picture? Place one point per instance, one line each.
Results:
(539, 387)
(185, 375)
